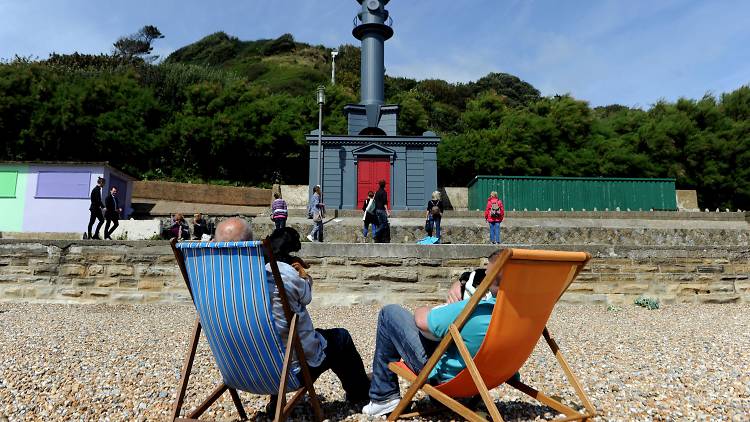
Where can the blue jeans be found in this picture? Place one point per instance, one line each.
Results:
(317, 231)
(280, 222)
(495, 232)
(434, 226)
(365, 229)
(397, 338)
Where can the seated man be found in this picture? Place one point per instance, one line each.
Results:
(324, 348)
(413, 338)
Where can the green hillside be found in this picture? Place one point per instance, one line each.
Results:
(280, 65)
(222, 110)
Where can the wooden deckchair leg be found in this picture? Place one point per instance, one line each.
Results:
(307, 379)
(475, 375)
(187, 366)
(568, 372)
(281, 398)
(238, 403)
(218, 391)
(542, 398)
(438, 395)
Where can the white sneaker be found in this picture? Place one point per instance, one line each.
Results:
(310, 238)
(380, 408)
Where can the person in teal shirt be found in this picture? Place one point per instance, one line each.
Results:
(413, 338)
(439, 320)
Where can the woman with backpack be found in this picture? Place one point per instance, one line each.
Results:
(369, 218)
(434, 215)
(494, 213)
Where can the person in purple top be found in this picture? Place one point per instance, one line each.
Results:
(279, 212)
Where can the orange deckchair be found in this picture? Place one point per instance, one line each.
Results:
(532, 282)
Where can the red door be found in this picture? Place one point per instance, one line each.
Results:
(370, 171)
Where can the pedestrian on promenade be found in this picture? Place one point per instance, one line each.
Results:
(434, 215)
(112, 213)
(96, 209)
(279, 211)
(316, 209)
(382, 213)
(494, 213)
(369, 219)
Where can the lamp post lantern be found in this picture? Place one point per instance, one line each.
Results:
(334, 53)
(321, 101)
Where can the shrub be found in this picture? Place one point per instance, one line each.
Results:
(647, 302)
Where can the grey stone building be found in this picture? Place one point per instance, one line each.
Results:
(372, 150)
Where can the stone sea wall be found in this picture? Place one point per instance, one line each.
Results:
(146, 272)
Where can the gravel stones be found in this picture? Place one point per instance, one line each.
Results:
(122, 363)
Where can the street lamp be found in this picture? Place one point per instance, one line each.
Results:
(334, 53)
(321, 101)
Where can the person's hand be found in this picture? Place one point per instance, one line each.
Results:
(454, 293)
(300, 269)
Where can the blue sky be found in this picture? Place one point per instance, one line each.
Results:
(630, 52)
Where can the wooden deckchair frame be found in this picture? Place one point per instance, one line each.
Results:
(283, 407)
(419, 382)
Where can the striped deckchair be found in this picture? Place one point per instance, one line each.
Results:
(230, 290)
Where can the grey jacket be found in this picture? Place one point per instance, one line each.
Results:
(299, 293)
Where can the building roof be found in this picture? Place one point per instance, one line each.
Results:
(72, 164)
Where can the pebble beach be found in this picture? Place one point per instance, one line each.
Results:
(122, 363)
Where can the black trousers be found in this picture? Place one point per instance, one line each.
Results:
(96, 214)
(344, 360)
(115, 220)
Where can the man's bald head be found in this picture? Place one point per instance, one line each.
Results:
(233, 230)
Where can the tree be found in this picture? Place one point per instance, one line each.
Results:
(138, 45)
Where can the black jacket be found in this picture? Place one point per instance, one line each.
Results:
(112, 206)
(96, 198)
(381, 199)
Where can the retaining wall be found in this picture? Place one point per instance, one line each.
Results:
(145, 272)
(208, 194)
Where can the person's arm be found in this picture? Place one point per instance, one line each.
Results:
(487, 211)
(420, 318)
(454, 293)
(298, 289)
(440, 206)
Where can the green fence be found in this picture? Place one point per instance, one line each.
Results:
(577, 193)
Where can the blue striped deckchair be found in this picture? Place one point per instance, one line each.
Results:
(230, 290)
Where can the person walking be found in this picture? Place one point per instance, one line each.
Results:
(112, 213)
(382, 213)
(316, 209)
(434, 215)
(368, 218)
(279, 211)
(494, 213)
(96, 207)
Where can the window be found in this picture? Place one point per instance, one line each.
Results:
(58, 184)
(8, 179)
